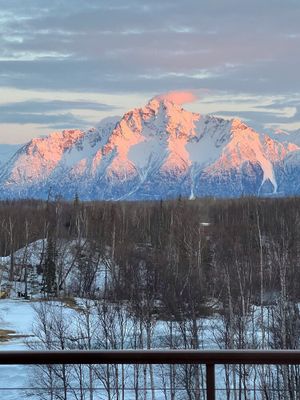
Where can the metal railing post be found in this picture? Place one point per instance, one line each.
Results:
(210, 382)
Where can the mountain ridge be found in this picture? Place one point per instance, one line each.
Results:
(157, 151)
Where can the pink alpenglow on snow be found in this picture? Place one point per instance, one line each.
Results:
(157, 151)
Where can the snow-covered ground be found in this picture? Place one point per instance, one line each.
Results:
(19, 316)
(15, 315)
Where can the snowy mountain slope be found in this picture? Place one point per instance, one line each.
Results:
(157, 151)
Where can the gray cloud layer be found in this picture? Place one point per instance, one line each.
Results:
(115, 46)
(50, 112)
(40, 106)
(112, 46)
(63, 119)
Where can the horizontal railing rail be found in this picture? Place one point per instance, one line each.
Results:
(209, 358)
(150, 357)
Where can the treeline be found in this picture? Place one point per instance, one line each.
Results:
(179, 252)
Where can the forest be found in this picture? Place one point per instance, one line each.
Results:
(167, 269)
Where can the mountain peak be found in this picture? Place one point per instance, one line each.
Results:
(157, 151)
(161, 102)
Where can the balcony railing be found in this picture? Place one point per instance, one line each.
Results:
(209, 358)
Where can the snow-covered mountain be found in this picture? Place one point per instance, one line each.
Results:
(158, 151)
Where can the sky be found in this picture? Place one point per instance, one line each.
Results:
(70, 63)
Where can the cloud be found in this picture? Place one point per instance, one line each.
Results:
(260, 119)
(49, 112)
(46, 106)
(109, 46)
(178, 97)
(141, 48)
(65, 119)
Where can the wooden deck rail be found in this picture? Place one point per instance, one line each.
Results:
(208, 357)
